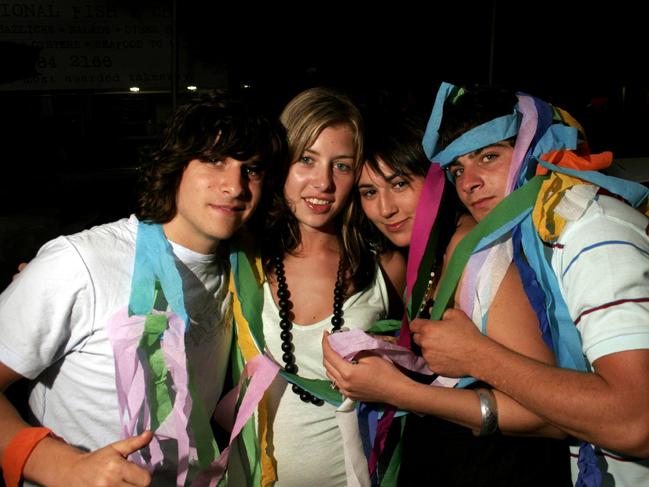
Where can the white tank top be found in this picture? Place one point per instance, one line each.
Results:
(306, 441)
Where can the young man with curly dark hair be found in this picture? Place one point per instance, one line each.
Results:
(125, 329)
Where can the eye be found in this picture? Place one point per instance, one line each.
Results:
(455, 171)
(400, 184)
(367, 193)
(214, 160)
(487, 158)
(253, 172)
(342, 166)
(306, 160)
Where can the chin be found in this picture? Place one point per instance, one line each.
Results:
(400, 242)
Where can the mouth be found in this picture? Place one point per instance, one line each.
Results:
(228, 209)
(318, 205)
(482, 203)
(395, 227)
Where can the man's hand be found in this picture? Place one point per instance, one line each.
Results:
(106, 467)
(448, 345)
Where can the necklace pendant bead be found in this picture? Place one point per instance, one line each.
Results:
(305, 396)
(291, 368)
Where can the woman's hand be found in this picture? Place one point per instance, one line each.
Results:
(370, 379)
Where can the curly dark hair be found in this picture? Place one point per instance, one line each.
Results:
(215, 126)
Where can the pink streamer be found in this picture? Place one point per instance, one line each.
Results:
(125, 333)
(427, 209)
(225, 409)
(348, 344)
(469, 280)
(262, 371)
(523, 139)
(173, 346)
(425, 215)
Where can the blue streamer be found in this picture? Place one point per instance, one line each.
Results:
(533, 289)
(155, 262)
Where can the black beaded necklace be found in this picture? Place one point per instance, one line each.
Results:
(285, 323)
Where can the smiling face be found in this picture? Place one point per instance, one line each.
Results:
(214, 199)
(481, 177)
(389, 200)
(319, 183)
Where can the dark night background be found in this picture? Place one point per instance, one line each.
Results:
(69, 155)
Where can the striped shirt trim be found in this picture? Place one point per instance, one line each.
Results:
(610, 455)
(610, 305)
(601, 244)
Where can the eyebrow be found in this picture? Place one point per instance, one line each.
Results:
(388, 179)
(478, 152)
(487, 147)
(342, 156)
(365, 185)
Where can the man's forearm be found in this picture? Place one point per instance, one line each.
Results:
(600, 409)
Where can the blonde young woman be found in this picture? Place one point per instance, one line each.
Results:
(319, 275)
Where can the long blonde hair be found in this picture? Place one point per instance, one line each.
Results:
(304, 118)
(315, 109)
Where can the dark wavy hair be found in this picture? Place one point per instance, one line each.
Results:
(215, 126)
(396, 141)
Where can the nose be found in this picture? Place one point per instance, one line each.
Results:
(232, 181)
(470, 180)
(322, 177)
(387, 207)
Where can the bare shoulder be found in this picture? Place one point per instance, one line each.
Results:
(464, 225)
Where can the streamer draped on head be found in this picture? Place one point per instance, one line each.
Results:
(549, 158)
